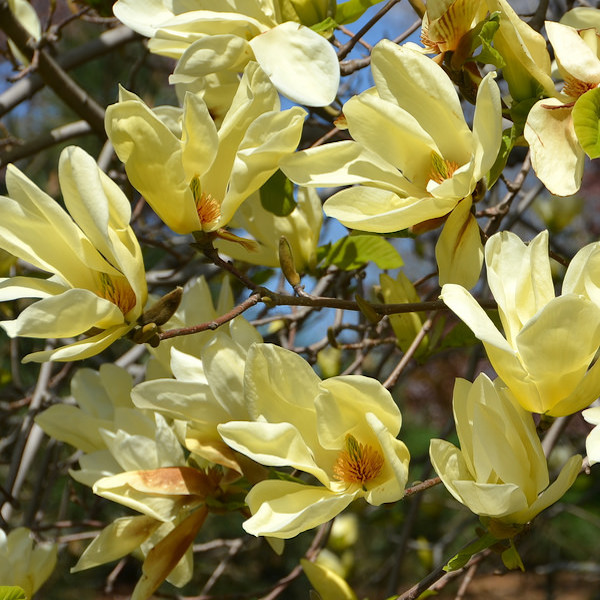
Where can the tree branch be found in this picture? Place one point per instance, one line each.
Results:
(54, 76)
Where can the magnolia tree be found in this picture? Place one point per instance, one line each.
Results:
(220, 312)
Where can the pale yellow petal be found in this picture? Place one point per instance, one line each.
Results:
(556, 155)
(301, 63)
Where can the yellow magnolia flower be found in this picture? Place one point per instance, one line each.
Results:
(528, 65)
(98, 281)
(342, 431)
(216, 36)
(197, 181)
(413, 155)
(500, 470)
(446, 22)
(23, 564)
(549, 342)
(207, 389)
(557, 155)
(301, 228)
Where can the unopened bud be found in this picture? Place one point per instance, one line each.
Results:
(286, 260)
(163, 309)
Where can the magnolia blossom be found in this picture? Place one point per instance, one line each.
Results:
(527, 62)
(22, 563)
(196, 181)
(133, 457)
(446, 22)
(342, 431)
(500, 470)
(207, 389)
(216, 36)
(556, 152)
(548, 342)
(301, 228)
(98, 284)
(413, 155)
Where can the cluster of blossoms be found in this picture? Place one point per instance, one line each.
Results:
(225, 422)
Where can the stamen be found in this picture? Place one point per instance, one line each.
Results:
(118, 291)
(208, 209)
(441, 169)
(575, 87)
(358, 463)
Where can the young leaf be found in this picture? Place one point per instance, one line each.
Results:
(586, 120)
(350, 11)
(463, 557)
(277, 195)
(354, 251)
(12, 592)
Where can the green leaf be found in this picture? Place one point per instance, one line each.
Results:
(586, 120)
(324, 26)
(277, 195)
(350, 11)
(488, 54)
(508, 141)
(354, 251)
(512, 559)
(463, 557)
(12, 592)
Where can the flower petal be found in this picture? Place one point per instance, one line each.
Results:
(301, 63)
(283, 509)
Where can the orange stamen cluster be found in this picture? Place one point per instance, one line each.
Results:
(207, 207)
(575, 87)
(118, 291)
(441, 169)
(357, 463)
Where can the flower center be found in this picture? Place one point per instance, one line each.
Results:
(357, 463)
(118, 291)
(441, 169)
(208, 209)
(575, 87)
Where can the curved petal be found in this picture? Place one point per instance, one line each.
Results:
(12, 288)
(342, 411)
(283, 509)
(153, 161)
(212, 54)
(73, 312)
(383, 211)
(144, 17)
(487, 125)
(519, 277)
(422, 88)
(459, 252)
(82, 349)
(344, 163)
(301, 63)
(558, 345)
(555, 492)
(116, 540)
(271, 137)
(556, 154)
(468, 310)
(392, 133)
(492, 500)
(280, 385)
(573, 55)
(275, 445)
